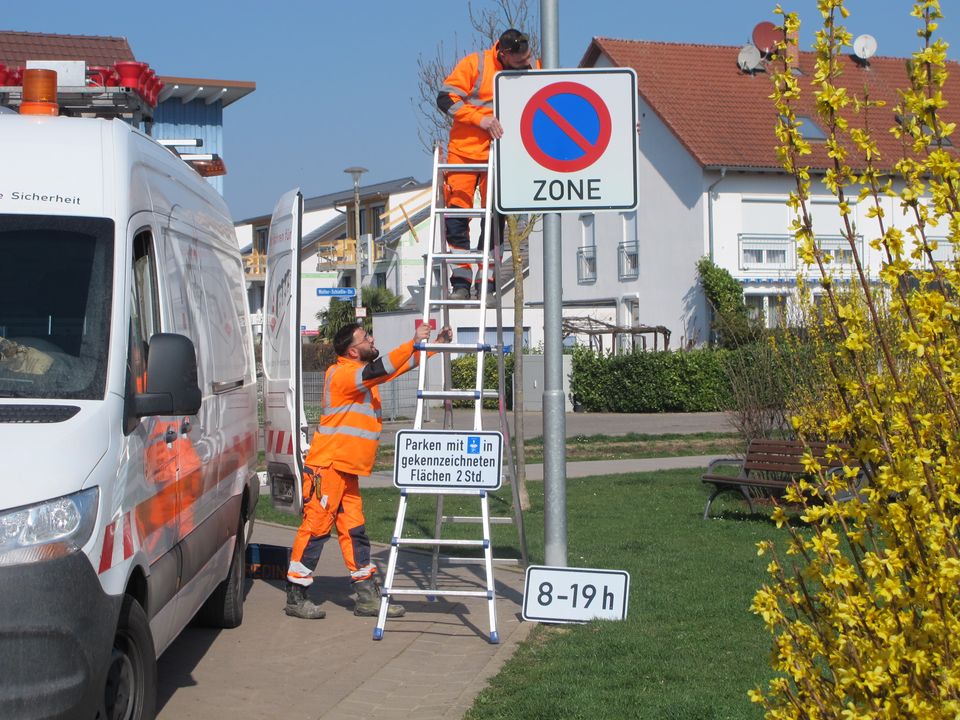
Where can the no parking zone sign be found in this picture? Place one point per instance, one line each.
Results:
(569, 140)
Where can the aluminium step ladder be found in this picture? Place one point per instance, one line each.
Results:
(437, 262)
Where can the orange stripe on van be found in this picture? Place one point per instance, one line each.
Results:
(127, 536)
(106, 555)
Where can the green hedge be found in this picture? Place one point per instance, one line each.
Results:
(463, 373)
(689, 381)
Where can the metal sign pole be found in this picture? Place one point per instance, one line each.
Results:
(554, 419)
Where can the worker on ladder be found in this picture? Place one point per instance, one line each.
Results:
(343, 448)
(467, 96)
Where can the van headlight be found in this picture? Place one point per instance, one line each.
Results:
(49, 529)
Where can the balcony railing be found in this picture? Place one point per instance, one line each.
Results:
(255, 265)
(587, 264)
(337, 254)
(776, 253)
(628, 260)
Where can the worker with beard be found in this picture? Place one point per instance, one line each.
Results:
(343, 448)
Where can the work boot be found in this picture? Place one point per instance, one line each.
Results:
(299, 606)
(368, 600)
(491, 289)
(460, 292)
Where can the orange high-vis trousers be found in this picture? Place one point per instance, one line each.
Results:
(459, 190)
(334, 500)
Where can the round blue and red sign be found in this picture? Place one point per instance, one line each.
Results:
(565, 127)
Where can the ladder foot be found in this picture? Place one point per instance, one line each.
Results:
(378, 633)
(494, 638)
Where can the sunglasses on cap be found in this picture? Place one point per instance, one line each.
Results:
(518, 44)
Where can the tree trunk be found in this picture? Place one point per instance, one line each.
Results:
(520, 455)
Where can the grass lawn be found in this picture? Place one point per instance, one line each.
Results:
(689, 649)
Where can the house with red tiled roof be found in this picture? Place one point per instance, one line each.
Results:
(710, 185)
(186, 107)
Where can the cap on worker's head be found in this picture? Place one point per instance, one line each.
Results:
(513, 41)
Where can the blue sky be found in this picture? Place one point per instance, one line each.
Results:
(336, 81)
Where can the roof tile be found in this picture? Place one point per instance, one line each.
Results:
(725, 117)
(18, 47)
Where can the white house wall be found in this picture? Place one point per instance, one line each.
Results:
(670, 231)
(751, 220)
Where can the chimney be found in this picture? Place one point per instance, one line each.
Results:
(793, 49)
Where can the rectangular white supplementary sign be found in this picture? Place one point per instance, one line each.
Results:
(562, 594)
(447, 459)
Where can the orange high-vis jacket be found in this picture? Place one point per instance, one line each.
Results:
(350, 423)
(467, 96)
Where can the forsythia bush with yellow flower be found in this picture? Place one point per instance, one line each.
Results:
(864, 600)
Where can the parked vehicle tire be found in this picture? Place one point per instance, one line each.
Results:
(224, 608)
(130, 690)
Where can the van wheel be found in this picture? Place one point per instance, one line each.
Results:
(130, 691)
(224, 608)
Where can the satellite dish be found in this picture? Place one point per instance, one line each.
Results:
(765, 37)
(865, 46)
(749, 58)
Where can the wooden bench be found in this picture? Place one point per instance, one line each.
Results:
(769, 468)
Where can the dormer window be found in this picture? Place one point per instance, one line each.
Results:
(809, 130)
(925, 129)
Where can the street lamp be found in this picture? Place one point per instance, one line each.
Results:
(356, 172)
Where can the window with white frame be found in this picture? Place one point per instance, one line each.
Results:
(771, 307)
(839, 249)
(587, 252)
(766, 252)
(628, 253)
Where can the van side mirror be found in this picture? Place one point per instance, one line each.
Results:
(171, 378)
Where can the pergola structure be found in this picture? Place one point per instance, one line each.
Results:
(596, 329)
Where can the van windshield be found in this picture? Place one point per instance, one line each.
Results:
(55, 296)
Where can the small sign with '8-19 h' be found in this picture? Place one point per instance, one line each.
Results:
(563, 595)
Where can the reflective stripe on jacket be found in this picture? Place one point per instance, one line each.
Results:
(349, 430)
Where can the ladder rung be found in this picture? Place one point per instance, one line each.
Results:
(472, 167)
(455, 347)
(454, 560)
(439, 541)
(461, 212)
(459, 257)
(455, 303)
(457, 394)
(476, 519)
(436, 591)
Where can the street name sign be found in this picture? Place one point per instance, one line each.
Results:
(569, 140)
(447, 459)
(566, 595)
(347, 292)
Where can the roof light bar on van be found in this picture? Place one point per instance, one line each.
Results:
(207, 168)
(195, 142)
(39, 92)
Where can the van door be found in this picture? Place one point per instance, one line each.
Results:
(285, 423)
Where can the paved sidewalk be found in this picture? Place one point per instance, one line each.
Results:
(430, 665)
(586, 469)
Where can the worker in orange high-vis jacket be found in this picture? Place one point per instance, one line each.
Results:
(467, 96)
(343, 448)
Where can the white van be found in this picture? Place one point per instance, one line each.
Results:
(128, 415)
